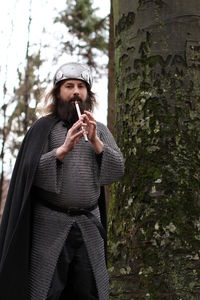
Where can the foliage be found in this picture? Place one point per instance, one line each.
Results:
(28, 93)
(87, 32)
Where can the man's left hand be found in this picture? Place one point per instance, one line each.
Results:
(91, 129)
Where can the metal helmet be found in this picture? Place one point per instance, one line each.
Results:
(73, 71)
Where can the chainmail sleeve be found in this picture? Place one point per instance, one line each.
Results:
(49, 172)
(112, 162)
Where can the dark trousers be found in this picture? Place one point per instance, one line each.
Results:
(73, 277)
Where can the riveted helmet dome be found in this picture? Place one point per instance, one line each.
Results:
(73, 71)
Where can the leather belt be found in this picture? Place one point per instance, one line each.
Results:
(74, 211)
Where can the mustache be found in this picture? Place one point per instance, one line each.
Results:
(76, 98)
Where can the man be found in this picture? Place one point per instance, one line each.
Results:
(52, 239)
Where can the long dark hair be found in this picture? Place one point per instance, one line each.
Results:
(52, 97)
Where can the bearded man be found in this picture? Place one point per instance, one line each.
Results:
(53, 238)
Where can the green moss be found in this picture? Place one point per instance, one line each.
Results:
(154, 229)
(125, 23)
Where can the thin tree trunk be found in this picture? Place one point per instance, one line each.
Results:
(4, 136)
(155, 220)
(4, 108)
(27, 73)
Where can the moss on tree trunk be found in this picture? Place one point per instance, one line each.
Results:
(154, 226)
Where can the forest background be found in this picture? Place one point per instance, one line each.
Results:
(37, 37)
(151, 49)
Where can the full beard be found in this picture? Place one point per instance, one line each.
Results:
(66, 110)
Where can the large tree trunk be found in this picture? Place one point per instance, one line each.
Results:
(111, 85)
(155, 219)
(111, 75)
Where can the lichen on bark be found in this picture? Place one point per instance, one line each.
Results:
(154, 219)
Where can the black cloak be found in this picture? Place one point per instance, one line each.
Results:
(15, 230)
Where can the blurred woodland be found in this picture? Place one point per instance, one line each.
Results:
(154, 114)
(86, 39)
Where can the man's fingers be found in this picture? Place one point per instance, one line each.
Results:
(93, 123)
(85, 118)
(77, 125)
(89, 115)
(77, 135)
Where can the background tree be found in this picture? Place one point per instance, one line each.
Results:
(4, 126)
(27, 96)
(4, 134)
(87, 33)
(86, 37)
(18, 111)
(155, 220)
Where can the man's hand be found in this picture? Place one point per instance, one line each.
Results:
(91, 129)
(72, 138)
(73, 135)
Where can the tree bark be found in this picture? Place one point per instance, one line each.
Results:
(154, 222)
(2, 153)
(111, 86)
(4, 129)
(111, 75)
(27, 74)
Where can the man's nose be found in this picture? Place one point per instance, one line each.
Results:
(76, 90)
